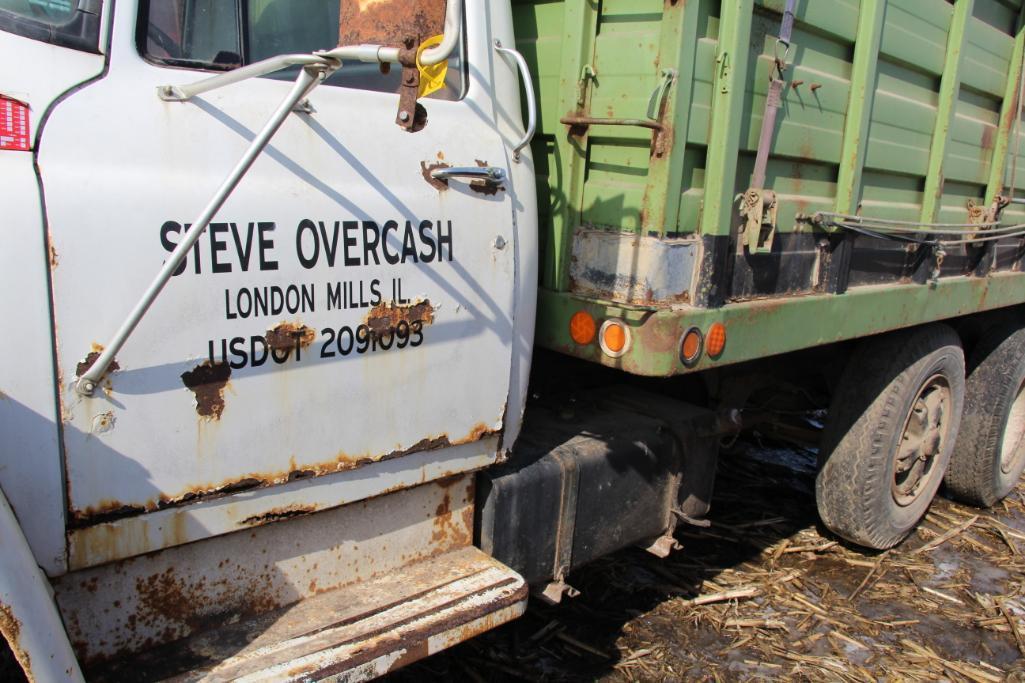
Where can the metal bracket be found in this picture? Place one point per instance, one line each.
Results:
(724, 72)
(657, 105)
(662, 546)
(587, 74)
(660, 97)
(552, 592)
(759, 207)
(410, 88)
(528, 88)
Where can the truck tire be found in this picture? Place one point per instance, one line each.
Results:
(892, 426)
(989, 454)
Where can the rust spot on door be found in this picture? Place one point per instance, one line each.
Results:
(111, 511)
(207, 381)
(484, 187)
(385, 318)
(278, 514)
(287, 336)
(436, 183)
(83, 366)
(387, 22)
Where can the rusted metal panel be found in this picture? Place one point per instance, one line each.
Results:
(388, 22)
(632, 269)
(352, 633)
(128, 606)
(117, 539)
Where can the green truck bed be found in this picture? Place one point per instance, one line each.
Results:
(650, 115)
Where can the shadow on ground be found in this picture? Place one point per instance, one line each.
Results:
(765, 592)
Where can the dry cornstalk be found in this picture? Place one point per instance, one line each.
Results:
(736, 594)
(931, 545)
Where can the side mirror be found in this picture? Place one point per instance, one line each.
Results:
(406, 25)
(390, 23)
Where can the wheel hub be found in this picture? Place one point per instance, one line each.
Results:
(922, 440)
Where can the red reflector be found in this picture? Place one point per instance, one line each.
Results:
(14, 125)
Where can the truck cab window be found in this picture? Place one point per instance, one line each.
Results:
(214, 34)
(67, 23)
(53, 12)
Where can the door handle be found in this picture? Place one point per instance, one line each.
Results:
(489, 174)
(528, 87)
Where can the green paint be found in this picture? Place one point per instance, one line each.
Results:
(889, 128)
(756, 329)
(859, 107)
(678, 44)
(727, 111)
(570, 152)
(950, 86)
(1005, 124)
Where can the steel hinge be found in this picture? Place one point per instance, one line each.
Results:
(759, 208)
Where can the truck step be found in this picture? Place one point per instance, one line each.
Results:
(354, 633)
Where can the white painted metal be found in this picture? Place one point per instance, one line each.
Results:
(28, 615)
(139, 442)
(132, 536)
(30, 457)
(308, 78)
(124, 607)
(505, 108)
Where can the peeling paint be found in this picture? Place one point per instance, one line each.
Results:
(384, 318)
(426, 169)
(286, 336)
(84, 365)
(484, 187)
(104, 422)
(208, 381)
(278, 514)
(110, 510)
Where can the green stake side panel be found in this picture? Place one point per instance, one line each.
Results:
(897, 109)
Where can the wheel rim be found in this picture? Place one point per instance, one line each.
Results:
(922, 441)
(1011, 449)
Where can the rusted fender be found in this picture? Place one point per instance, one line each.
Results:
(28, 615)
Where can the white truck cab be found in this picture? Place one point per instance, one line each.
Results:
(262, 331)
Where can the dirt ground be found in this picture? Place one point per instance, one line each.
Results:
(766, 593)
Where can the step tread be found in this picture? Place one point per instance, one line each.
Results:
(363, 630)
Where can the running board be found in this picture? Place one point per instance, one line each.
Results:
(354, 633)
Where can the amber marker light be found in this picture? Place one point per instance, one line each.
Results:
(582, 328)
(690, 346)
(715, 342)
(614, 338)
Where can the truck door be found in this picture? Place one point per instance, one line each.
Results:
(344, 307)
